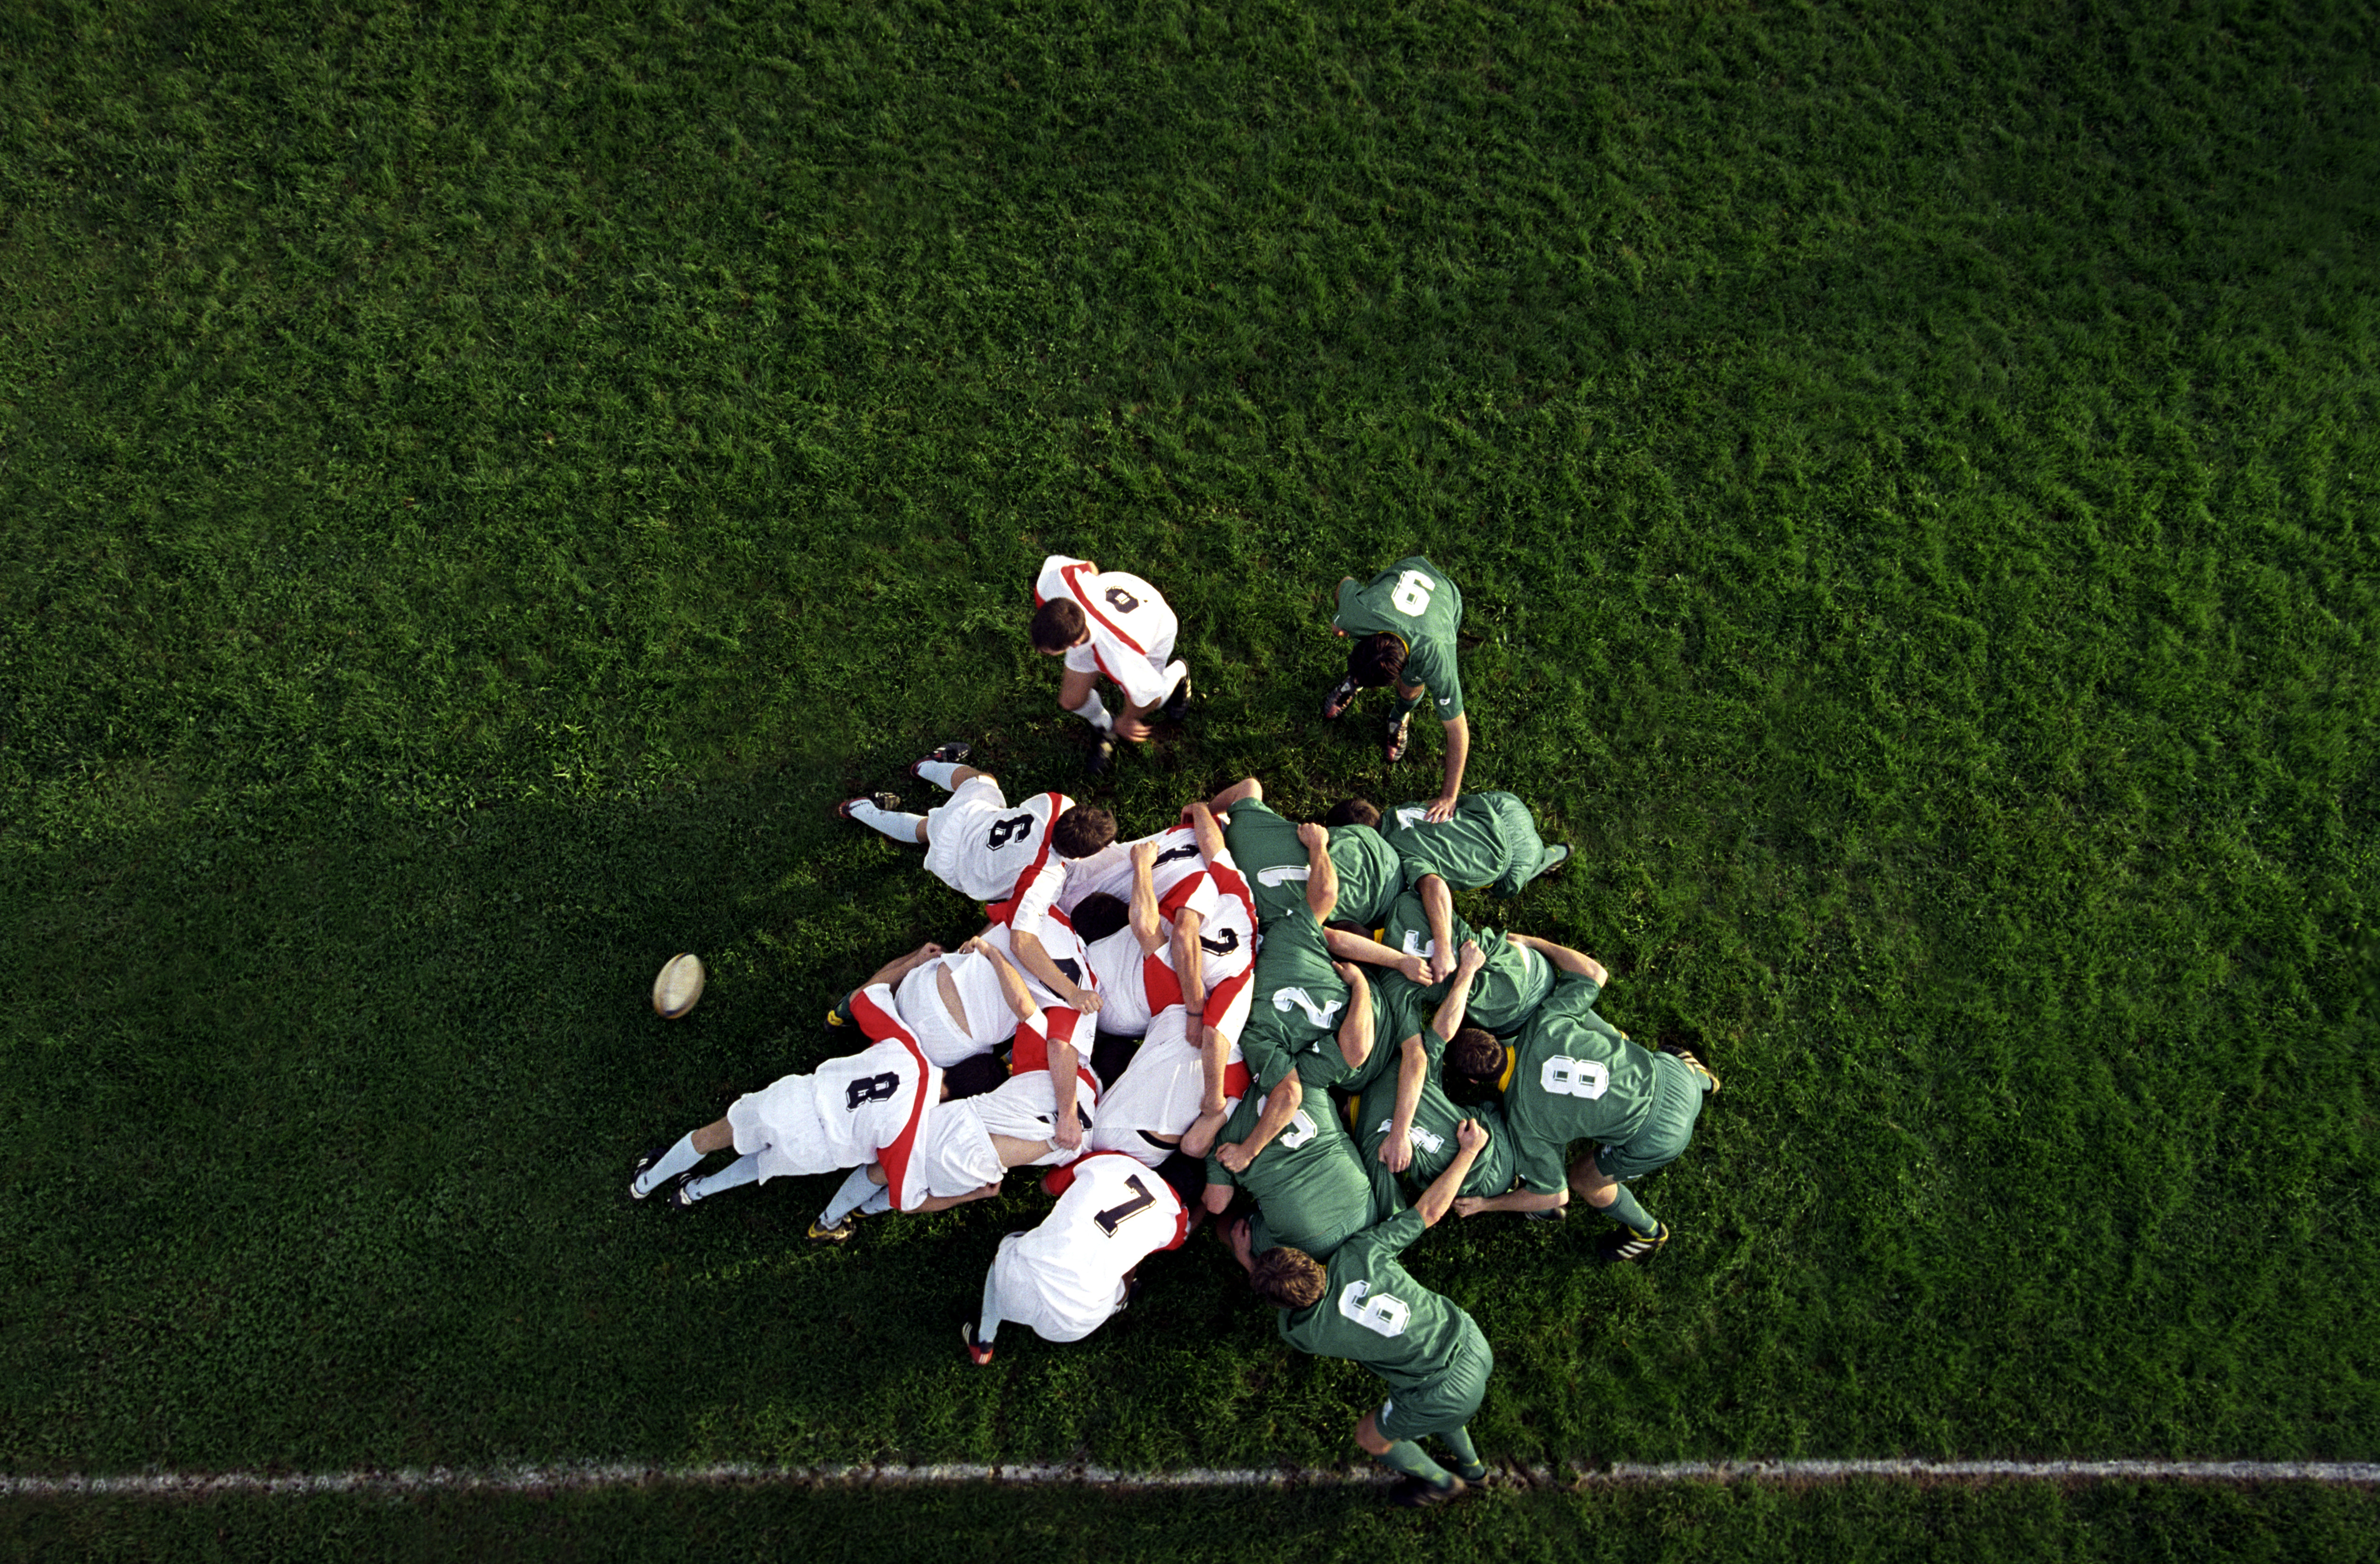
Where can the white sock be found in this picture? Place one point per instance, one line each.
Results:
(675, 1161)
(743, 1171)
(939, 772)
(898, 824)
(989, 1327)
(1095, 711)
(848, 1199)
(878, 1203)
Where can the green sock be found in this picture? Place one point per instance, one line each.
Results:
(1623, 1208)
(1467, 1464)
(1408, 1458)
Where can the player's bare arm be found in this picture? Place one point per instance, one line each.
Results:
(1518, 1201)
(1349, 947)
(1280, 1105)
(1011, 985)
(1199, 816)
(1190, 961)
(1470, 1140)
(1458, 755)
(1066, 1125)
(1577, 963)
(1356, 1032)
(1413, 1064)
(1033, 957)
(1147, 923)
(893, 972)
(943, 1203)
(1437, 906)
(1322, 876)
(1213, 1056)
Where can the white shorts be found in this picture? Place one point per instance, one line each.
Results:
(1016, 1287)
(1157, 1094)
(1024, 1107)
(942, 1041)
(781, 1123)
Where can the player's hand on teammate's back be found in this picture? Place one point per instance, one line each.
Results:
(1396, 1153)
(1414, 969)
(1069, 1132)
(1441, 809)
(1235, 1155)
(1084, 1001)
(1313, 838)
(1349, 973)
(1469, 1205)
(1144, 854)
(1471, 958)
(1470, 1135)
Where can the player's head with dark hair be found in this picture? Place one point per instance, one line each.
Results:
(1100, 915)
(1289, 1278)
(973, 1076)
(1376, 660)
(1477, 1055)
(1082, 831)
(1057, 624)
(1353, 811)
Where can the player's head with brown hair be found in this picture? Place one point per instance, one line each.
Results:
(1100, 915)
(1057, 624)
(1353, 811)
(1376, 660)
(1477, 1055)
(1289, 1278)
(1082, 831)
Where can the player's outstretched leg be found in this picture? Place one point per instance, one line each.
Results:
(1467, 1464)
(977, 1334)
(1645, 1234)
(834, 1224)
(947, 767)
(659, 1166)
(743, 1171)
(1426, 1481)
(882, 811)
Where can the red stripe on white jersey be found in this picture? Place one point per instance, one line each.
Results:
(1074, 576)
(1001, 912)
(880, 1024)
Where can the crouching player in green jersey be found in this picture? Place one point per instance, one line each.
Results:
(1364, 1306)
(1576, 1077)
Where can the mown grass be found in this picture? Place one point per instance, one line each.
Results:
(478, 488)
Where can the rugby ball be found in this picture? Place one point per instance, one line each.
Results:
(679, 985)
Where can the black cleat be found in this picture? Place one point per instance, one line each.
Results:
(1342, 695)
(978, 1356)
(637, 1169)
(1414, 1494)
(952, 753)
(885, 801)
(1102, 755)
(1628, 1247)
(681, 1195)
(1400, 734)
(1177, 705)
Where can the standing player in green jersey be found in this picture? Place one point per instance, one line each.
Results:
(1490, 841)
(1311, 1190)
(1404, 620)
(1576, 1077)
(1353, 870)
(1364, 1306)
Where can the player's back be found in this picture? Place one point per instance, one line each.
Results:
(1374, 1313)
(867, 1099)
(1311, 1190)
(1115, 1213)
(1574, 1075)
(987, 850)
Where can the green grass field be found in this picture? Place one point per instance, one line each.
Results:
(477, 485)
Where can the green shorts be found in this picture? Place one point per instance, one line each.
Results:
(1662, 1137)
(1447, 1402)
(1524, 851)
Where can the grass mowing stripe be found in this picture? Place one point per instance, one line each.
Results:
(588, 1475)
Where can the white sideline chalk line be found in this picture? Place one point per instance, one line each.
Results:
(580, 1476)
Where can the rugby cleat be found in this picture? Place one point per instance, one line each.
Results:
(978, 1356)
(681, 1191)
(1177, 705)
(1412, 1493)
(952, 753)
(885, 801)
(1628, 1247)
(1400, 734)
(1102, 755)
(1342, 695)
(839, 1233)
(1556, 856)
(637, 1169)
(1693, 1062)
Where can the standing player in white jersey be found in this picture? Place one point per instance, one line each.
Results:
(1067, 1276)
(981, 846)
(1112, 623)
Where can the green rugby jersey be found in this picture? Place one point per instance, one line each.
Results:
(1432, 1138)
(1575, 1078)
(1472, 848)
(1412, 599)
(1371, 875)
(1266, 847)
(1374, 1313)
(1511, 984)
(1311, 1191)
(1397, 1011)
(1296, 1004)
